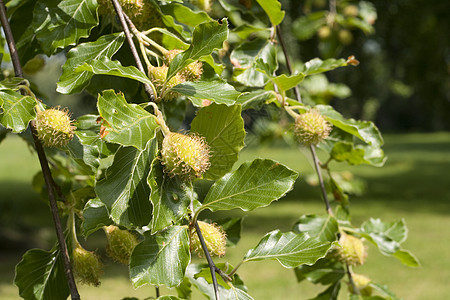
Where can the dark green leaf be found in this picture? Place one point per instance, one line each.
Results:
(95, 216)
(170, 197)
(331, 293)
(58, 24)
(290, 249)
(125, 186)
(17, 110)
(233, 228)
(40, 276)
(273, 10)
(184, 290)
(206, 274)
(223, 129)
(255, 184)
(358, 154)
(325, 271)
(255, 99)
(74, 82)
(125, 124)
(216, 91)
(306, 26)
(324, 228)
(105, 66)
(206, 37)
(162, 258)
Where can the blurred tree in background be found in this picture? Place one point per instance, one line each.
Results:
(402, 82)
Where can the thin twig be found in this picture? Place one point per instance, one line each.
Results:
(120, 15)
(211, 264)
(312, 147)
(351, 281)
(43, 161)
(322, 184)
(288, 62)
(157, 291)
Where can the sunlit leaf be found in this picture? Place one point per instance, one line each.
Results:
(273, 10)
(324, 228)
(255, 184)
(95, 216)
(162, 258)
(74, 82)
(125, 124)
(316, 65)
(16, 110)
(256, 99)
(223, 129)
(217, 91)
(290, 249)
(58, 24)
(359, 154)
(206, 38)
(184, 14)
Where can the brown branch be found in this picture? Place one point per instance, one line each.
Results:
(120, 15)
(43, 161)
(213, 268)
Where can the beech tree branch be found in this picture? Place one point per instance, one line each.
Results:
(312, 147)
(120, 15)
(213, 268)
(43, 161)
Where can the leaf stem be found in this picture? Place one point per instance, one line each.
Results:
(213, 268)
(148, 89)
(43, 161)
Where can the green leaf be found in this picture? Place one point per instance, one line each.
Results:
(161, 259)
(105, 66)
(290, 249)
(40, 275)
(244, 59)
(216, 91)
(407, 258)
(286, 83)
(184, 290)
(95, 216)
(170, 197)
(58, 24)
(256, 99)
(237, 291)
(316, 65)
(125, 186)
(87, 146)
(126, 124)
(246, 30)
(168, 298)
(305, 27)
(206, 37)
(325, 228)
(325, 271)
(11, 83)
(388, 237)
(74, 82)
(331, 293)
(254, 184)
(185, 15)
(384, 290)
(358, 154)
(233, 229)
(206, 274)
(273, 10)
(17, 110)
(223, 129)
(364, 130)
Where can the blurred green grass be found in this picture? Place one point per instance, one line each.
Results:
(414, 185)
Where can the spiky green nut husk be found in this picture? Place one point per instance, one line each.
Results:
(158, 76)
(203, 4)
(142, 13)
(120, 244)
(311, 128)
(191, 72)
(183, 155)
(362, 284)
(54, 127)
(214, 236)
(86, 266)
(352, 250)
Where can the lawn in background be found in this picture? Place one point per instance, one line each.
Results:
(414, 185)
